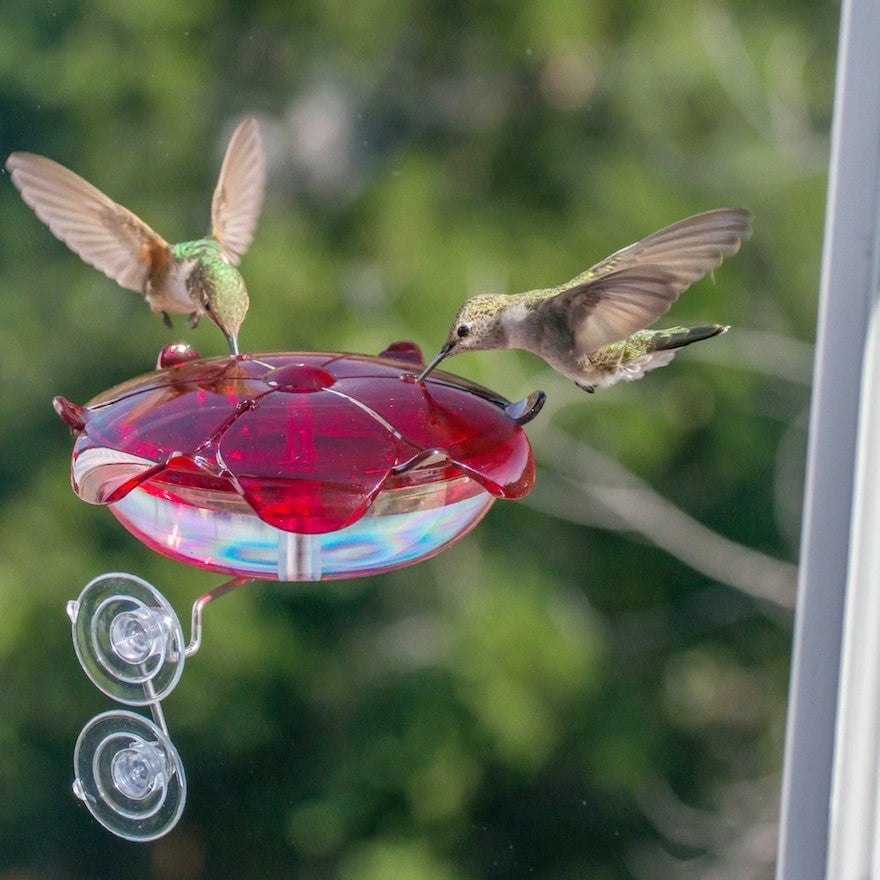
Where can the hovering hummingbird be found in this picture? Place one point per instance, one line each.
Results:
(193, 277)
(592, 329)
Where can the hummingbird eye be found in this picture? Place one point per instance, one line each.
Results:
(464, 330)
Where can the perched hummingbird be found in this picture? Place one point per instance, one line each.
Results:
(592, 329)
(193, 277)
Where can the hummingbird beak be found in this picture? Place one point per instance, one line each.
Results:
(443, 352)
(233, 342)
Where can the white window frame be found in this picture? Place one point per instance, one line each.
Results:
(830, 811)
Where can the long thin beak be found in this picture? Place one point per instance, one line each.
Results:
(443, 352)
(233, 342)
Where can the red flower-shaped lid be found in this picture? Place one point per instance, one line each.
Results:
(307, 440)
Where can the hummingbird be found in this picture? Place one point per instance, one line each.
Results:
(192, 277)
(593, 329)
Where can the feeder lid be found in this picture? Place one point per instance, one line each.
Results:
(306, 439)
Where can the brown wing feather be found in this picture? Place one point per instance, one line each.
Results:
(102, 232)
(238, 196)
(692, 247)
(633, 287)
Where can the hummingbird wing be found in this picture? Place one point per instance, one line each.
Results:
(238, 196)
(633, 287)
(693, 246)
(103, 233)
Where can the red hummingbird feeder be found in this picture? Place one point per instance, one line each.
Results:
(282, 466)
(299, 466)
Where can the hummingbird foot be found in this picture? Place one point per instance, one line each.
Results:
(192, 320)
(166, 320)
(590, 389)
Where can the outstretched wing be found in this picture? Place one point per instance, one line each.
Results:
(102, 232)
(238, 196)
(633, 287)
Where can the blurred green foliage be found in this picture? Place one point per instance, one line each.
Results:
(549, 698)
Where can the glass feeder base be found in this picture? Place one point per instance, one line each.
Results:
(239, 543)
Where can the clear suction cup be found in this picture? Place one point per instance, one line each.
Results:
(127, 638)
(129, 775)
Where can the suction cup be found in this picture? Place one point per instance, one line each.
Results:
(129, 775)
(127, 639)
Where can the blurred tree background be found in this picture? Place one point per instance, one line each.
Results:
(592, 684)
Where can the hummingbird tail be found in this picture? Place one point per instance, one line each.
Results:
(677, 337)
(645, 350)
